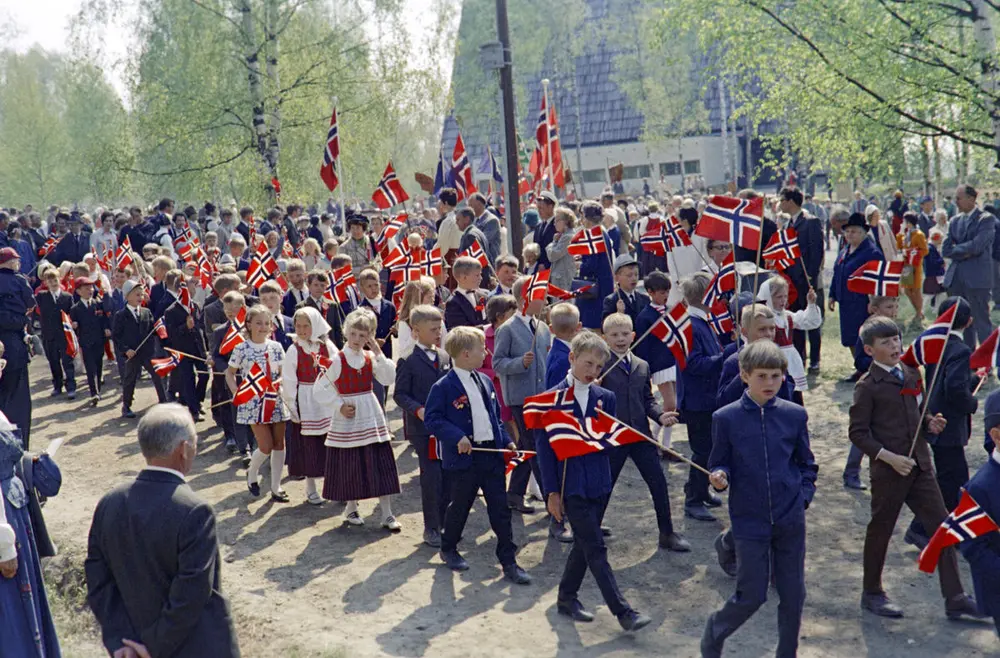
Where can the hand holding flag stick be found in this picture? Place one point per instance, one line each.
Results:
(928, 349)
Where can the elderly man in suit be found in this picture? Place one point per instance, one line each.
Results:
(153, 567)
(969, 245)
(813, 247)
(488, 223)
(465, 218)
(520, 352)
(546, 229)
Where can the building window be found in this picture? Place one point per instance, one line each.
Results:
(635, 173)
(670, 169)
(595, 176)
(692, 166)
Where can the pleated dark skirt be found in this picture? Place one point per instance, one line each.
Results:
(305, 455)
(359, 473)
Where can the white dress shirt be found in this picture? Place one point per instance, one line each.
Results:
(482, 427)
(449, 235)
(581, 392)
(164, 469)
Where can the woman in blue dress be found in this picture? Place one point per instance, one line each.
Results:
(27, 629)
(596, 268)
(857, 251)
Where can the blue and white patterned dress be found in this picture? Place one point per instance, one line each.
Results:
(269, 357)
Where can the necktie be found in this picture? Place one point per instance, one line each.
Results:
(533, 325)
(897, 372)
(482, 390)
(627, 365)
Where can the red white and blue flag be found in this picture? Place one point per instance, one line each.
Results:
(724, 281)
(929, 345)
(328, 172)
(732, 220)
(432, 264)
(986, 355)
(234, 335)
(461, 169)
(390, 191)
(565, 295)
(254, 385)
(536, 289)
(476, 251)
(877, 277)
(160, 328)
(677, 333)
(268, 405)
(568, 437)
(783, 246)
(537, 406)
(124, 256)
(513, 459)
(72, 344)
(390, 230)
(51, 243)
(589, 242)
(720, 319)
(967, 521)
(262, 266)
(164, 366)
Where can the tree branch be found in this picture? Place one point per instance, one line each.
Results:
(188, 170)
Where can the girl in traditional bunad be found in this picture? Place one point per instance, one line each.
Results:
(774, 292)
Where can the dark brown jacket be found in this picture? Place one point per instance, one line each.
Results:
(882, 416)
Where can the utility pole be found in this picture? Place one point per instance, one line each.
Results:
(513, 208)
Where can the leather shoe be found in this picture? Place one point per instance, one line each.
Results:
(606, 532)
(518, 505)
(574, 610)
(880, 605)
(727, 558)
(432, 538)
(454, 561)
(852, 378)
(713, 500)
(127, 413)
(962, 606)
(854, 482)
(560, 532)
(915, 539)
(674, 542)
(709, 648)
(632, 621)
(698, 512)
(516, 574)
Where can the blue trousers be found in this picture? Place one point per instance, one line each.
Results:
(15, 400)
(786, 552)
(699, 428)
(434, 492)
(646, 458)
(487, 474)
(59, 363)
(589, 552)
(852, 468)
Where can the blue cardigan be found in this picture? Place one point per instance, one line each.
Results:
(557, 365)
(983, 553)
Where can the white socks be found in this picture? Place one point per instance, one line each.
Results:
(277, 466)
(665, 436)
(352, 506)
(311, 487)
(257, 460)
(534, 489)
(385, 502)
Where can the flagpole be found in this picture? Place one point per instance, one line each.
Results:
(190, 356)
(524, 452)
(340, 155)
(633, 345)
(930, 389)
(548, 135)
(141, 343)
(980, 384)
(675, 454)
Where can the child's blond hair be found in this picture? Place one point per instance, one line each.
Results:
(588, 341)
(564, 318)
(617, 321)
(361, 318)
(762, 355)
(461, 339)
(424, 313)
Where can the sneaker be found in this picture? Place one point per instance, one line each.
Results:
(71, 395)
(391, 524)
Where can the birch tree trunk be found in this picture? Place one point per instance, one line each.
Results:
(986, 41)
(252, 58)
(936, 148)
(274, 82)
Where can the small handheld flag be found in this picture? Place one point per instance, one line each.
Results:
(732, 220)
(588, 242)
(724, 281)
(234, 336)
(928, 347)
(877, 277)
(254, 385)
(72, 344)
(967, 521)
(161, 329)
(677, 333)
(162, 367)
(986, 355)
(784, 246)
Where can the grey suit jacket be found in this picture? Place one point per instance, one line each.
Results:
(969, 245)
(152, 571)
(564, 267)
(490, 226)
(512, 342)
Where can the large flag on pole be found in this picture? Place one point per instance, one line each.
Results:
(732, 220)
(461, 169)
(390, 191)
(328, 172)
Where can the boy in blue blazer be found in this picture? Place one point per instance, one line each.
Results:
(564, 323)
(760, 447)
(463, 413)
(415, 375)
(698, 385)
(625, 299)
(983, 553)
(580, 495)
(50, 304)
(92, 323)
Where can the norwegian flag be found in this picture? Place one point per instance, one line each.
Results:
(782, 265)
(536, 289)
(268, 405)
(912, 257)
(967, 521)
(433, 449)
(432, 263)
(537, 406)
(184, 296)
(674, 234)
(588, 242)
(72, 344)
(160, 328)
(398, 255)
(732, 220)
(341, 286)
(877, 277)
(328, 172)
(783, 246)
(565, 295)
(254, 385)
(546, 142)
(724, 281)
(234, 335)
(390, 191)
(568, 437)
(388, 232)
(476, 251)
(462, 170)
(397, 297)
(124, 256)
(986, 355)
(262, 266)
(720, 319)
(50, 244)
(164, 366)
(677, 333)
(513, 459)
(929, 345)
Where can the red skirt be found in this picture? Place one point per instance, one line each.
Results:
(305, 455)
(358, 473)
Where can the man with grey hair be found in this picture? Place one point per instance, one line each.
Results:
(969, 246)
(153, 567)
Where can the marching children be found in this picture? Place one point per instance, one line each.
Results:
(756, 323)
(237, 439)
(130, 330)
(580, 495)
(310, 354)
(416, 373)
(564, 323)
(317, 282)
(267, 422)
(884, 418)
(466, 306)
(385, 317)
(626, 299)
(775, 293)
(760, 448)
(92, 323)
(699, 383)
(952, 398)
(184, 333)
(463, 413)
(51, 303)
(662, 367)
(983, 553)
(359, 463)
(629, 376)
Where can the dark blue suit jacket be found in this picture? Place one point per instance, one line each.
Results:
(451, 421)
(544, 233)
(651, 350)
(71, 248)
(698, 383)
(634, 393)
(385, 313)
(290, 302)
(50, 315)
(91, 322)
(853, 305)
(415, 376)
(283, 334)
(983, 553)
(952, 396)
(587, 476)
(632, 309)
(557, 365)
(731, 387)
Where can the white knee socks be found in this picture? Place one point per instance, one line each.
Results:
(277, 466)
(385, 502)
(665, 436)
(311, 487)
(352, 506)
(257, 460)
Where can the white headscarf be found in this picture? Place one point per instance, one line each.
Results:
(320, 327)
